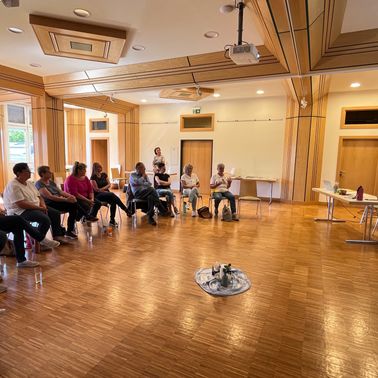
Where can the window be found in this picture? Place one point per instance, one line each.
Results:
(359, 118)
(19, 135)
(100, 124)
(197, 122)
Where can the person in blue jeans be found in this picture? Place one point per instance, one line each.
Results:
(220, 183)
(162, 184)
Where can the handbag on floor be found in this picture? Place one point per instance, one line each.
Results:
(204, 212)
(8, 249)
(226, 214)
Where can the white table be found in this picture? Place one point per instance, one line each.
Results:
(270, 181)
(368, 202)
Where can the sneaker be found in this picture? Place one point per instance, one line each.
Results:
(27, 264)
(50, 243)
(3, 288)
(194, 213)
(151, 221)
(235, 217)
(113, 223)
(70, 235)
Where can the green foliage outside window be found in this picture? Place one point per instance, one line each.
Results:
(16, 136)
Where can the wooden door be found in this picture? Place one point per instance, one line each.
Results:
(100, 153)
(199, 153)
(358, 163)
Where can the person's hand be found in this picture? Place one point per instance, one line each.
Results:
(91, 202)
(71, 199)
(229, 179)
(43, 209)
(2, 212)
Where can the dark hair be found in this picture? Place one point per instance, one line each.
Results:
(160, 165)
(19, 167)
(77, 167)
(139, 164)
(94, 168)
(42, 170)
(156, 149)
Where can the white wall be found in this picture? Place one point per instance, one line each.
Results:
(336, 101)
(112, 135)
(252, 148)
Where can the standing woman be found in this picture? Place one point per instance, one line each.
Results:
(79, 186)
(158, 158)
(190, 184)
(100, 183)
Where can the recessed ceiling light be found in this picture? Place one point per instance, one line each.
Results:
(355, 85)
(260, 91)
(211, 34)
(216, 95)
(15, 30)
(227, 8)
(143, 100)
(138, 48)
(35, 65)
(81, 12)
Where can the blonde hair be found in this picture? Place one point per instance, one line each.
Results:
(78, 167)
(187, 167)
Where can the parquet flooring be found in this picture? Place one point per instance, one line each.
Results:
(128, 306)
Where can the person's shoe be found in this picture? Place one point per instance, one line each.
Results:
(50, 243)
(216, 213)
(172, 214)
(70, 235)
(194, 213)
(91, 218)
(3, 288)
(151, 221)
(27, 264)
(113, 223)
(176, 210)
(235, 217)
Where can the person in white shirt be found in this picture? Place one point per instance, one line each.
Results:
(190, 184)
(220, 183)
(22, 198)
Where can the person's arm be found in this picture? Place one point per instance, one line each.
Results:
(23, 204)
(107, 186)
(44, 192)
(185, 185)
(95, 186)
(72, 188)
(213, 183)
(162, 182)
(229, 181)
(90, 190)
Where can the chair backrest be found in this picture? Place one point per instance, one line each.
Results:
(248, 188)
(115, 172)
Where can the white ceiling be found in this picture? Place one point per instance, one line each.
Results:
(167, 28)
(360, 15)
(227, 91)
(340, 82)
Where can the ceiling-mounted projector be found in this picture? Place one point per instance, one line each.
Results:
(11, 3)
(244, 54)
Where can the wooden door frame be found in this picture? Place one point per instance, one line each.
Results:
(107, 147)
(339, 151)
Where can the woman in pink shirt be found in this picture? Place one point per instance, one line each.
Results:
(79, 186)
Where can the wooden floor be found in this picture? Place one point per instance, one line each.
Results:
(128, 306)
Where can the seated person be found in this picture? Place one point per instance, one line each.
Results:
(78, 185)
(17, 225)
(190, 184)
(57, 199)
(220, 183)
(142, 189)
(162, 184)
(100, 183)
(22, 198)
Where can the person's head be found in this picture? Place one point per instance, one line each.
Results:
(220, 169)
(188, 169)
(79, 169)
(161, 167)
(96, 168)
(140, 168)
(22, 171)
(44, 172)
(157, 151)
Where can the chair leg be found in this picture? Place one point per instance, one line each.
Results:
(120, 216)
(375, 227)
(238, 208)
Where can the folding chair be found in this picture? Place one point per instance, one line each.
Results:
(248, 193)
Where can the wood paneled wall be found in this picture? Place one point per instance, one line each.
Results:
(2, 152)
(76, 136)
(48, 132)
(304, 140)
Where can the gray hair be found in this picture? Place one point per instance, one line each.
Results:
(220, 165)
(187, 167)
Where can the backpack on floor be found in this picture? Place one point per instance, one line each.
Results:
(226, 214)
(204, 212)
(8, 249)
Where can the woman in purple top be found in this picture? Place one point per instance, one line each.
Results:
(79, 186)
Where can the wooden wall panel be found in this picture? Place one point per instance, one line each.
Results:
(3, 162)
(48, 133)
(122, 142)
(76, 136)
